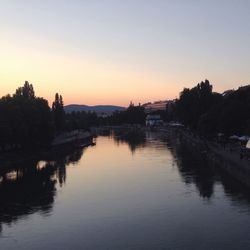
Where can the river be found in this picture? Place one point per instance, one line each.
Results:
(147, 193)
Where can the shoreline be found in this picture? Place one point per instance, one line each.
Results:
(61, 145)
(224, 157)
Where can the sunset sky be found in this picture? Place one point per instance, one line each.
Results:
(115, 51)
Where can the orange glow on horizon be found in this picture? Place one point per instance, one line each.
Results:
(91, 80)
(80, 81)
(114, 52)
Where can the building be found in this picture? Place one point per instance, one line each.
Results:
(248, 144)
(153, 120)
(157, 106)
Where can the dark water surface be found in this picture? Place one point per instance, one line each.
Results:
(151, 193)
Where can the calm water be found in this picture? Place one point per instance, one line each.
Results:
(148, 193)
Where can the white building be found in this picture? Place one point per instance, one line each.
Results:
(153, 120)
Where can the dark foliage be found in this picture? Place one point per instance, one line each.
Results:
(209, 113)
(25, 120)
(58, 113)
(81, 120)
(132, 115)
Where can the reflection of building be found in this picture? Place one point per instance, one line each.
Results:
(153, 120)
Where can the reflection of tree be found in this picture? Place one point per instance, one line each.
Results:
(135, 138)
(25, 191)
(61, 160)
(32, 188)
(195, 168)
(238, 193)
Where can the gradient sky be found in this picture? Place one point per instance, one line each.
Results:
(114, 51)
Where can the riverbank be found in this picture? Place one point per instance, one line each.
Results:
(226, 156)
(62, 144)
(73, 137)
(223, 156)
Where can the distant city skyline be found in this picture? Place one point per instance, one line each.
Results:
(114, 51)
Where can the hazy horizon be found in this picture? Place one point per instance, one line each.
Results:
(114, 52)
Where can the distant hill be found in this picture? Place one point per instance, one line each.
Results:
(107, 109)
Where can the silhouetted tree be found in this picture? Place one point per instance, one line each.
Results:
(132, 115)
(58, 113)
(209, 113)
(25, 120)
(26, 91)
(81, 120)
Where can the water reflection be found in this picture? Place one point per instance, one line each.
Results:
(195, 168)
(31, 187)
(134, 138)
(236, 192)
(124, 201)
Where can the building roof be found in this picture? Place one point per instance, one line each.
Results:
(153, 117)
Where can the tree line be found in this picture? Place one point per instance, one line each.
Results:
(132, 115)
(84, 120)
(26, 121)
(208, 113)
(200, 109)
